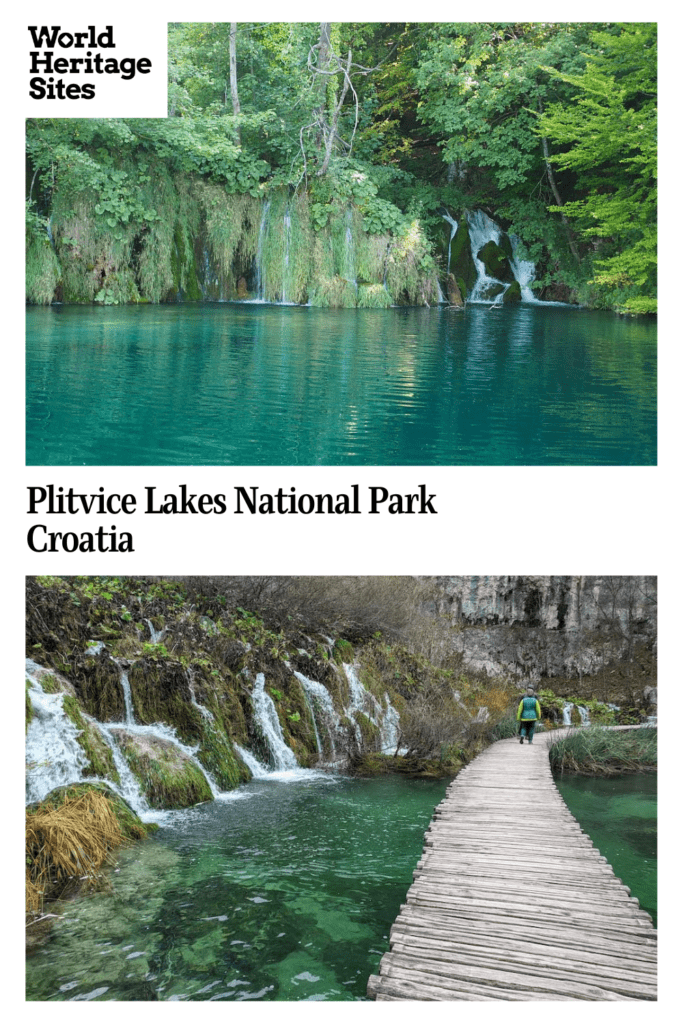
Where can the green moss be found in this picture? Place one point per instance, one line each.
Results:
(373, 296)
(218, 757)
(496, 263)
(100, 757)
(462, 264)
(513, 293)
(43, 272)
(167, 777)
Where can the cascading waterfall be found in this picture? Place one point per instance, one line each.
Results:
(269, 724)
(482, 230)
(260, 274)
(155, 635)
(386, 719)
(524, 271)
(350, 251)
(321, 707)
(54, 756)
(127, 698)
(454, 228)
(287, 233)
(203, 711)
(567, 714)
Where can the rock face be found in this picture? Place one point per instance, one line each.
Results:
(539, 626)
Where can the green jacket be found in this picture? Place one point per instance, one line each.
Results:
(529, 710)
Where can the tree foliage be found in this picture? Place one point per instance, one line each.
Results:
(549, 127)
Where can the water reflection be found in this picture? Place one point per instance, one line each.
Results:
(220, 384)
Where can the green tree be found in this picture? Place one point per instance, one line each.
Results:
(609, 140)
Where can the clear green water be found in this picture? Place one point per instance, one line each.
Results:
(286, 892)
(241, 384)
(620, 816)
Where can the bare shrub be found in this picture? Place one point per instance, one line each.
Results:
(355, 607)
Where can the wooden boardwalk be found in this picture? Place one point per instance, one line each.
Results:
(511, 900)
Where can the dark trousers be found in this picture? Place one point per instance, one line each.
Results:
(526, 728)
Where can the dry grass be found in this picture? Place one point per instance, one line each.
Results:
(70, 841)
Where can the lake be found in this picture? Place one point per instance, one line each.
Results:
(254, 384)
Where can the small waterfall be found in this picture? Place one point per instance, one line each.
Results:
(128, 787)
(524, 271)
(349, 273)
(155, 635)
(567, 714)
(260, 273)
(203, 711)
(386, 719)
(127, 698)
(54, 756)
(454, 228)
(94, 648)
(287, 232)
(258, 770)
(390, 728)
(268, 722)
(322, 708)
(482, 230)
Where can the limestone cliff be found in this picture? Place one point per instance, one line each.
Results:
(551, 626)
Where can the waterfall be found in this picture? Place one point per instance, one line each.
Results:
(287, 232)
(203, 711)
(260, 275)
(154, 635)
(386, 719)
(567, 714)
(454, 228)
(482, 230)
(54, 756)
(350, 251)
(321, 707)
(524, 271)
(258, 770)
(269, 724)
(127, 698)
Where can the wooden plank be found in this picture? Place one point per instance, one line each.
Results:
(470, 930)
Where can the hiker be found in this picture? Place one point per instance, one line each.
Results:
(528, 713)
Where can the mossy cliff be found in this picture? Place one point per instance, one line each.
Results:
(189, 239)
(174, 682)
(336, 698)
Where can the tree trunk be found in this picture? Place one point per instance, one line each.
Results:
(553, 185)
(233, 80)
(320, 112)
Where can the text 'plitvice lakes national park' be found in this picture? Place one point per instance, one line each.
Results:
(341, 788)
(353, 244)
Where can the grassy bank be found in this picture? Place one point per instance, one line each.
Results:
(597, 751)
(70, 839)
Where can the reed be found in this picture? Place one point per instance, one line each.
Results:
(598, 751)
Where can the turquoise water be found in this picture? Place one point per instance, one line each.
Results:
(620, 816)
(286, 891)
(247, 384)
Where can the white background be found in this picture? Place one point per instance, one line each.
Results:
(490, 521)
